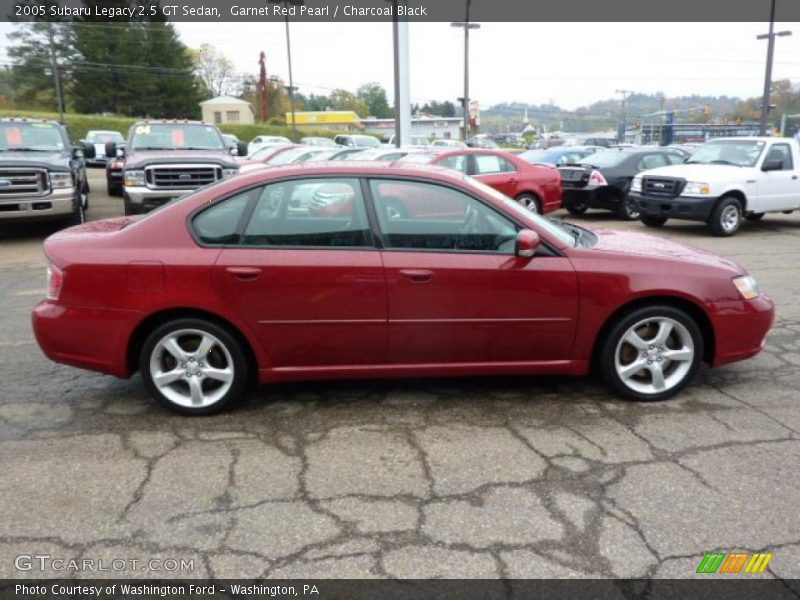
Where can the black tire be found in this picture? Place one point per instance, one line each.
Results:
(130, 209)
(628, 210)
(751, 216)
(726, 217)
(78, 216)
(651, 221)
(85, 195)
(531, 202)
(575, 208)
(646, 319)
(113, 190)
(226, 352)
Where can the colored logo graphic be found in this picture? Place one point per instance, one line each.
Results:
(734, 562)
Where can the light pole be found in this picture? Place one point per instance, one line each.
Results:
(465, 100)
(770, 37)
(622, 127)
(289, 88)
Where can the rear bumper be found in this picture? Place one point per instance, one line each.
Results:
(96, 161)
(605, 197)
(682, 207)
(56, 205)
(89, 338)
(741, 328)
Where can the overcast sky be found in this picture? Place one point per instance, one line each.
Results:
(572, 64)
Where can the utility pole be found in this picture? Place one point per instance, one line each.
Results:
(622, 127)
(402, 92)
(54, 68)
(291, 87)
(465, 100)
(770, 37)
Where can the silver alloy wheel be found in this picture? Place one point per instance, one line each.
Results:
(191, 368)
(729, 219)
(631, 209)
(654, 355)
(529, 202)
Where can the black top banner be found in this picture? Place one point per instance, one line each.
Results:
(599, 11)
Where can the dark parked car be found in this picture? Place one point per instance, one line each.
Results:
(99, 139)
(556, 157)
(234, 285)
(603, 180)
(42, 175)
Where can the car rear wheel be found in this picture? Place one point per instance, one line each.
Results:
(651, 221)
(531, 202)
(754, 216)
(193, 366)
(651, 353)
(726, 217)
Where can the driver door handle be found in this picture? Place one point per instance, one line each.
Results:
(417, 275)
(244, 273)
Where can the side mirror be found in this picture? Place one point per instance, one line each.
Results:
(111, 149)
(83, 151)
(772, 165)
(241, 149)
(527, 243)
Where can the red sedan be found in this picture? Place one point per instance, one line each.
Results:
(243, 282)
(536, 187)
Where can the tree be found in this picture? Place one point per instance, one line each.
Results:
(374, 96)
(344, 100)
(440, 109)
(216, 71)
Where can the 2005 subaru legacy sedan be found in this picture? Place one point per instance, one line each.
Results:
(350, 270)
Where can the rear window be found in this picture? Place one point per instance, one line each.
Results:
(608, 158)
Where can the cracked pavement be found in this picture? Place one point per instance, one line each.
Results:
(483, 477)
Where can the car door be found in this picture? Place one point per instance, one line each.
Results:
(456, 291)
(777, 190)
(309, 284)
(496, 171)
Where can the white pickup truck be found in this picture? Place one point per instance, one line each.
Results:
(724, 181)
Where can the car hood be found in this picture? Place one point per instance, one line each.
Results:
(45, 160)
(630, 243)
(698, 172)
(139, 158)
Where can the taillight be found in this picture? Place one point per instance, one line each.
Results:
(55, 281)
(597, 178)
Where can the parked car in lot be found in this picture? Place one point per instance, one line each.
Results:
(558, 156)
(388, 153)
(603, 179)
(482, 141)
(338, 153)
(266, 140)
(263, 154)
(357, 141)
(166, 159)
(443, 143)
(114, 178)
(98, 139)
(724, 181)
(42, 175)
(231, 142)
(317, 141)
(536, 187)
(227, 286)
(416, 141)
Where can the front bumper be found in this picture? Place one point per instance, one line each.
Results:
(681, 207)
(57, 204)
(89, 338)
(741, 328)
(144, 199)
(97, 161)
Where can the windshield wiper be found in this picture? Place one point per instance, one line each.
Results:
(152, 148)
(199, 148)
(725, 162)
(29, 150)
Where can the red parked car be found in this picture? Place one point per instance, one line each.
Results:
(536, 187)
(241, 282)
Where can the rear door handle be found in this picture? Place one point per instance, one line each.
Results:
(244, 273)
(417, 275)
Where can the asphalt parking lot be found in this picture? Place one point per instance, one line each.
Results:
(512, 477)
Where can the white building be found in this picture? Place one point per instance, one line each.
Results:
(429, 126)
(227, 110)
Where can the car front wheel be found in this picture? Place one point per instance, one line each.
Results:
(530, 202)
(193, 366)
(651, 353)
(726, 217)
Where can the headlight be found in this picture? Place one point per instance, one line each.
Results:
(134, 178)
(229, 173)
(747, 287)
(60, 180)
(636, 184)
(694, 187)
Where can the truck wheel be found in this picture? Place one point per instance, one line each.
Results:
(628, 210)
(751, 216)
(575, 208)
(651, 221)
(726, 217)
(129, 208)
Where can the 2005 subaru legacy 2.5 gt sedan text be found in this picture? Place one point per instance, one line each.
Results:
(365, 269)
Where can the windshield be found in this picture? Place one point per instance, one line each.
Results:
(176, 136)
(289, 156)
(742, 153)
(30, 137)
(324, 155)
(101, 137)
(419, 157)
(552, 226)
